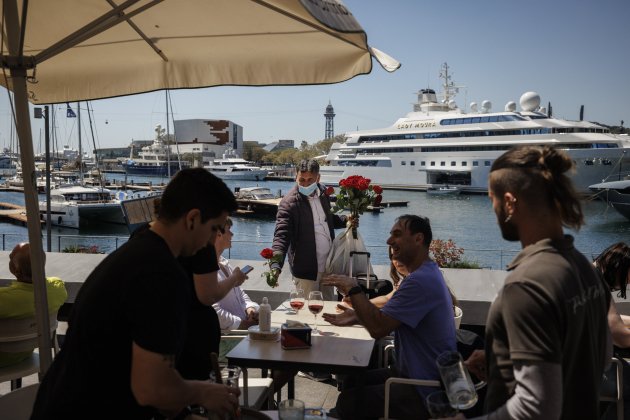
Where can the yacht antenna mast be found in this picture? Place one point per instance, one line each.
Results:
(449, 88)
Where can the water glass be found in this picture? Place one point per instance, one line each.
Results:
(459, 387)
(291, 410)
(439, 406)
(229, 376)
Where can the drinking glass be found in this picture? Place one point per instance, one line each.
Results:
(296, 300)
(459, 387)
(315, 305)
(229, 376)
(291, 410)
(439, 406)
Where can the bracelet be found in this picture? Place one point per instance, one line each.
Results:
(354, 290)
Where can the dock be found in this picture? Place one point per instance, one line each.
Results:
(13, 213)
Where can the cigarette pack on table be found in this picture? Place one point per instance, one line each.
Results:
(295, 335)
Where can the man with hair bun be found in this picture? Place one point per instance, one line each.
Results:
(547, 338)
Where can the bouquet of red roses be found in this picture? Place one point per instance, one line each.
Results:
(269, 275)
(356, 194)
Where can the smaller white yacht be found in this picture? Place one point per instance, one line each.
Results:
(232, 166)
(74, 206)
(616, 194)
(444, 190)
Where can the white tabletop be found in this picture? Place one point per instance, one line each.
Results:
(336, 350)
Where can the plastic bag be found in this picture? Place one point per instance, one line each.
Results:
(338, 261)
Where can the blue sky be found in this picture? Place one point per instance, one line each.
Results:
(571, 52)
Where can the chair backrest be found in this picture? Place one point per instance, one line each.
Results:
(18, 404)
(18, 335)
(458, 316)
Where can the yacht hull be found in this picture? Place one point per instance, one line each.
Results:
(161, 170)
(616, 194)
(254, 175)
(592, 166)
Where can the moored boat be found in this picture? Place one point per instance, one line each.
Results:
(233, 167)
(439, 143)
(444, 190)
(73, 206)
(616, 194)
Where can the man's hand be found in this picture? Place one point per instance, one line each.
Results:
(346, 317)
(341, 282)
(220, 399)
(476, 364)
(276, 272)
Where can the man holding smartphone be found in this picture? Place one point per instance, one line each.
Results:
(236, 310)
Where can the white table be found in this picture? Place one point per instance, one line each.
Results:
(337, 350)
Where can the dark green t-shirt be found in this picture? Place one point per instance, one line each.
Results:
(553, 309)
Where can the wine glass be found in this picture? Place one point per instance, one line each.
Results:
(315, 305)
(296, 300)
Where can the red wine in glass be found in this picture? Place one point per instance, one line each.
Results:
(314, 308)
(315, 305)
(297, 304)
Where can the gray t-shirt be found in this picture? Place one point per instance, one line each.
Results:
(553, 309)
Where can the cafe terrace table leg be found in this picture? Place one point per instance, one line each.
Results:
(291, 388)
(245, 393)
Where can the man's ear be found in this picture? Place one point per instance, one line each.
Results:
(318, 175)
(192, 218)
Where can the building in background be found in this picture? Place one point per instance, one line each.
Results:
(280, 145)
(330, 124)
(207, 139)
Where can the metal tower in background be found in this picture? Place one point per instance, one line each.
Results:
(330, 125)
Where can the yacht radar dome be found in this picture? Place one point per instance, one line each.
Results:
(530, 101)
(543, 110)
(473, 106)
(452, 104)
(510, 106)
(486, 105)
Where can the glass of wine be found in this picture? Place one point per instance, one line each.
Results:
(315, 305)
(296, 300)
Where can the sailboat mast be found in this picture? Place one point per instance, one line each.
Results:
(168, 135)
(80, 150)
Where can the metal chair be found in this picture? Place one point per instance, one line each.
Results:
(18, 404)
(259, 390)
(20, 335)
(612, 386)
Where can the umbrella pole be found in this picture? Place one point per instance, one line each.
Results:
(32, 215)
(16, 63)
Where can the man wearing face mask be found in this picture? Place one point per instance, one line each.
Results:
(305, 229)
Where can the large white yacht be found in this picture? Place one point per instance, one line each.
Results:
(155, 159)
(233, 167)
(438, 144)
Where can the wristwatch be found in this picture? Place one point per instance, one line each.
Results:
(354, 290)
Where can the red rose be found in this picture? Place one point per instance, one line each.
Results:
(330, 191)
(378, 200)
(267, 253)
(363, 184)
(377, 189)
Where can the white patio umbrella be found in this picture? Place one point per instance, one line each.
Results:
(69, 50)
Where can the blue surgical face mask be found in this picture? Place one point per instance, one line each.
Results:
(308, 190)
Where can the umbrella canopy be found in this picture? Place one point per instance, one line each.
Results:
(91, 49)
(71, 50)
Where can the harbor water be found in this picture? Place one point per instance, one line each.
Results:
(466, 219)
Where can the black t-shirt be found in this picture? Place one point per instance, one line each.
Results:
(552, 308)
(204, 331)
(139, 293)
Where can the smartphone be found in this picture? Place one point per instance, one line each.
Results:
(246, 269)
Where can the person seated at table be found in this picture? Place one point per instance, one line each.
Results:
(614, 266)
(236, 310)
(17, 300)
(419, 313)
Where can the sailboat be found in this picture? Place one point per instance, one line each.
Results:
(75, 205)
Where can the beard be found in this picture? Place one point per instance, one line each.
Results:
(508, 229)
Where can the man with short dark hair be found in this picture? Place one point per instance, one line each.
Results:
(305, 229)
(421, 315)
(130, 317)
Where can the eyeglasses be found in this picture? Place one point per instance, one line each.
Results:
(219, 228)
